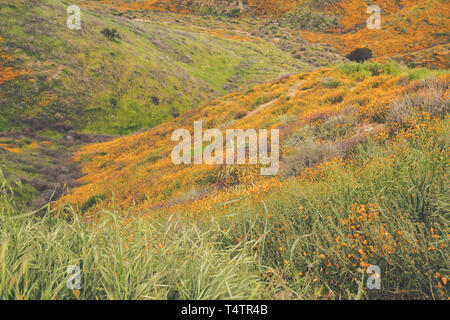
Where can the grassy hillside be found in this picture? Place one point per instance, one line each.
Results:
(350, 101)
(54, 81)
(85, 139)
(155, 71)
(312, 236)
(364, 181)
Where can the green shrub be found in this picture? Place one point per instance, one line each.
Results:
(364, 70)
(236, 12)
(111, 34)
(330, 83)
(92, 201)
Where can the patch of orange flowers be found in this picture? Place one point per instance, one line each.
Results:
(136, 171)
(7, 73)
(411, 31)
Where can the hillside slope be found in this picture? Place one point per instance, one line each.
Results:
(213, 54)
(412, 31)
(364, 181)
(313, 236)
(348, 103)
(361, 196)
(342, 23)
(81, 80)
(56, 82)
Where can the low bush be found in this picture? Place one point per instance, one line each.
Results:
(111, 34)
(428, 96)
(360, 55)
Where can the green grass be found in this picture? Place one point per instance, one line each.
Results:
(410, 195)
(369, 69)
(365, 70)
(422, 73)
(121, 258)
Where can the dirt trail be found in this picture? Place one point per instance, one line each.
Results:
(291, 93)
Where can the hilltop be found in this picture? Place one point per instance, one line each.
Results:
(411, 32)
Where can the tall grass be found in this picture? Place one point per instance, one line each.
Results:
(119, 258)
(387, 206)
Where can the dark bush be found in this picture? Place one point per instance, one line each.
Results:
(174, 112)
(360, 55)
(155, 100)
(111, 34)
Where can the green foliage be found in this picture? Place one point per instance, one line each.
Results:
(236, 12)
(7, 199)
(422, 73)
(10, 171)
(111, 34)
(364, 70)
(91, 202)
